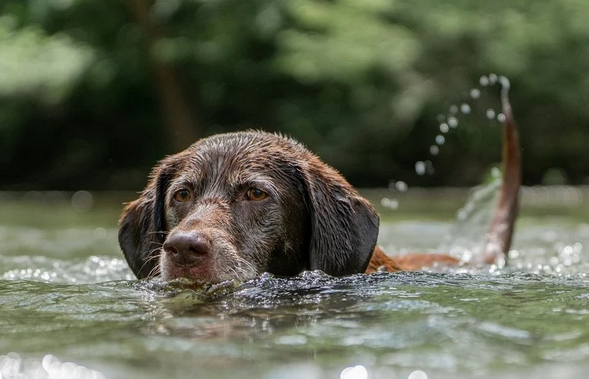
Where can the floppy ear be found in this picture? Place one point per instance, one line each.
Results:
(142, 226)
(344, 226)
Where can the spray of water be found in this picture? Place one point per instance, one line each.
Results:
(466, 237)
(450, 121)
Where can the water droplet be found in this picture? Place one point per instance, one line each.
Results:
(99, 233)
(430, 167)
(418, 374)
(475, 93)
(453, 122)
(390, 203)
(465, 108)
(444, 127)
(453, 109)
(441, 118)
(401, 186)
(490, 114)
(420, 168)
(492, 79)
(501, 117)
(47, 361)
(504, 82)
(394, 204)
(356, 372)
(513, 254)
(484, 81)
(553, 261)
(440, 139)
(82, 201)
(392, 184)
(434, 150)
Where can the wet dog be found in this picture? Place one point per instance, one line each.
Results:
(233, 206)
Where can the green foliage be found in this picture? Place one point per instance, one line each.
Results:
(360, 81)
(37, 66)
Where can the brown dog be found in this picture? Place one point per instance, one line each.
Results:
(233, 206)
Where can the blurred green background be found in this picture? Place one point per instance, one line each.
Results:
(94, 92)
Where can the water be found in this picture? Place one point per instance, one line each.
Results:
(451, 121)
(69, 307)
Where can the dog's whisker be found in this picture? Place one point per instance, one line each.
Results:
(244, 269)
(163, 232)
(154, 271)
(151, 258)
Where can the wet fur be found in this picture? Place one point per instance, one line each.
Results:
(313, 219)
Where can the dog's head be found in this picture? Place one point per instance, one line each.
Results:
(233, 206)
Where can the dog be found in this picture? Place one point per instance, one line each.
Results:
(236, 205)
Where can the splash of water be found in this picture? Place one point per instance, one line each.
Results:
(465, 238)
(450, 121)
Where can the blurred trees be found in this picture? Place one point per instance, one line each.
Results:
(92, 92)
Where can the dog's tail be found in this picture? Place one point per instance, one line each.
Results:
(498, 239)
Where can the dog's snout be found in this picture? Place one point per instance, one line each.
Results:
(187, 248)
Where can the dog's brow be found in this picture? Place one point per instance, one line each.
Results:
(262, 182)
(183, 181)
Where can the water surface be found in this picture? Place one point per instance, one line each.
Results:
(70, 307)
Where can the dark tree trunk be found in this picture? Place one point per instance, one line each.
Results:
(180, 122)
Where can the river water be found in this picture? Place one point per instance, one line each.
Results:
(70, 307)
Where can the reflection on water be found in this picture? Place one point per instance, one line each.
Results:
(66, 296)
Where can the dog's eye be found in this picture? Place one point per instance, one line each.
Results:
(182, 195)
(256, 194)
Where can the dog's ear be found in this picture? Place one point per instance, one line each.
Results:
(344, 226)
(142, 226)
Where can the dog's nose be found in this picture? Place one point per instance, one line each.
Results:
(187, 248)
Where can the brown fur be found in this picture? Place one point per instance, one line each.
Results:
(409, 262)
(311, 219)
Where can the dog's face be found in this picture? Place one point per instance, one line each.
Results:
(233, 206)
(234, 209)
